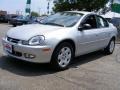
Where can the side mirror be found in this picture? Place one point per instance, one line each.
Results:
(84, 27)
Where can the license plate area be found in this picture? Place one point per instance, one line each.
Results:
(8, 47)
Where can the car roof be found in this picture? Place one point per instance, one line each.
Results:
(82, 12)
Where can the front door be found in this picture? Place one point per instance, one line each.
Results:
(88, 37)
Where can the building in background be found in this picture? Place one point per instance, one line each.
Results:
(3, 13)
(2, 16)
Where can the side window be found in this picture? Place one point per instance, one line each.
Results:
(101, 22)
(91, 20)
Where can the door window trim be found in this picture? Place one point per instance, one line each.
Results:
(97, 16)
(86, 18)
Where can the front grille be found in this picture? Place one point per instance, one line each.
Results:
(19, 54)
(13, 40)
(15, 53)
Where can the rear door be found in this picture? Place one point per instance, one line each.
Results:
(103, 32)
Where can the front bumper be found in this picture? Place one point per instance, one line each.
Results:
(42, 54)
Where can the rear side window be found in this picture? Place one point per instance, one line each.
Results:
(101, 22)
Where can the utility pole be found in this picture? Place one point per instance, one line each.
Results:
(112, 1)
(28, 7)
(39, 10)
(48, 7)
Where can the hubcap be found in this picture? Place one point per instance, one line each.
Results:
(64, 56)
(112, 45)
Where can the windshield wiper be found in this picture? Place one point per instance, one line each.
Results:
(54, 24)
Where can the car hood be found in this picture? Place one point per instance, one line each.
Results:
(25, 32)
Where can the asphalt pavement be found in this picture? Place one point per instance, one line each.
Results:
(94, 71)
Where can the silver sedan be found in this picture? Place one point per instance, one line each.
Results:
(60, 37)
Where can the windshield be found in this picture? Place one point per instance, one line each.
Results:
(65, 19)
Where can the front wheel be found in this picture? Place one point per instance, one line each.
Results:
(110, 48)
(62, 56)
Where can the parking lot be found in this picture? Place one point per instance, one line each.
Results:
(94, 71)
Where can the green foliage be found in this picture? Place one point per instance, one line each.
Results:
(34, 14)
(116, 7)
(86, 5)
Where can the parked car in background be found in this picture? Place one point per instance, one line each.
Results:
(39, 19)
(60, 37)
(21, 20)
(9, 17)
(33, 20)
(3, 18)
(116, 22)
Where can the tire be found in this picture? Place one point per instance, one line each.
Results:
(110, 48)
(62, 56)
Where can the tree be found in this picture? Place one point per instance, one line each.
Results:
(116, 7)
(86, 5)
(34, 14)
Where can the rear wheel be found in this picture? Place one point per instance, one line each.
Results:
(110, 48)
(62, 56)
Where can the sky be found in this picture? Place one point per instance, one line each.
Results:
(19, 5)
(117, 1)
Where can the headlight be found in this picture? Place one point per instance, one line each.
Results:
(36, 40)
